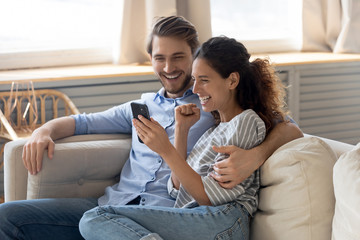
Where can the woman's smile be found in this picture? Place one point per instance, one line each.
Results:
(204, 100)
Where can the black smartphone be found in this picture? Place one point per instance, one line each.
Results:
(140, 109)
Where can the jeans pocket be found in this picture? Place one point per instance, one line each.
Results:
(239, 230)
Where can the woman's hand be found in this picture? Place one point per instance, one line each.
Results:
(152, 134)
(187, 115)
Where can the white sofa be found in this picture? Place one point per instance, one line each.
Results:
(296, 200)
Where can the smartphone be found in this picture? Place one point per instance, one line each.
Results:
(140, 109)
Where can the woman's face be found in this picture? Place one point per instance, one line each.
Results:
(214, 91)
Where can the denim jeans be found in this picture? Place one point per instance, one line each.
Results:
(229, 221)
(43, 218)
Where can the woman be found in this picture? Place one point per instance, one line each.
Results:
(245, 97)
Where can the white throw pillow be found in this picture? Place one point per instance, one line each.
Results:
(346, 222)
(296, 199)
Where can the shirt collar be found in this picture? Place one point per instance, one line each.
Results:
(161, 94)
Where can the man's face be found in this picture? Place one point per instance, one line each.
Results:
(172, 62)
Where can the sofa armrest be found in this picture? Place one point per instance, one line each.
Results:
(338, 147)
(82, 166)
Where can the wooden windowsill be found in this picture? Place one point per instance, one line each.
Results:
(303, 58)
(74, 72)
(110, 70)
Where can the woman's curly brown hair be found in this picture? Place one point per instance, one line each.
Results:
(259, 87)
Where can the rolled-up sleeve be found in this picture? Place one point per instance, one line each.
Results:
(80, 124)
(247, 130)
(219, 195)
(114, 120)
(173, 192)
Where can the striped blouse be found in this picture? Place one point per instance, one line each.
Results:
(246, 131)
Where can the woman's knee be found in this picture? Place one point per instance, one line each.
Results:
(88, 223)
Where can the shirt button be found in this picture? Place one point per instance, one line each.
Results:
(143, 200)
(153, 178)
(159, 161)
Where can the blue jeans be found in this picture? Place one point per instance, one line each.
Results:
(43, 218)
(229, 221)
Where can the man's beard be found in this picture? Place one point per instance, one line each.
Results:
(184, 85)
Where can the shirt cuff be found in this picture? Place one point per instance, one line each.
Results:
(80, 124)
(173, 192)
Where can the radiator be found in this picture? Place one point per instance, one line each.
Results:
(327, 103)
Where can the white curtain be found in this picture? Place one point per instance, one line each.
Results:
(331, 26)
(137, 19)
(328, 25)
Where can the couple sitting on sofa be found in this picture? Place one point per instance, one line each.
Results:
(245, 99)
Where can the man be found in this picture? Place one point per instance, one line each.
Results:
(144, 176)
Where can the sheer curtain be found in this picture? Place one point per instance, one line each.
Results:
(328, 25)
(331, 26)
(137, 19)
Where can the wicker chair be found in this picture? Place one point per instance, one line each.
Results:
(23, 111)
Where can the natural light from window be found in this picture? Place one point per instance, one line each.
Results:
(262, 25)
(48, 24)
(45, 25)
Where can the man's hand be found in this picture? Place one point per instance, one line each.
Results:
(237, 167)
(242, 163)
(34, 149)
(43, 138)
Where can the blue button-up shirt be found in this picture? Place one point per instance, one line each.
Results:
(145, 173)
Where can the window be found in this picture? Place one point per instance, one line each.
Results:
(41, 33)
(262, 25)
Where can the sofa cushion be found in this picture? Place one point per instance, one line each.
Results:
(296, 199)
(346, 222)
